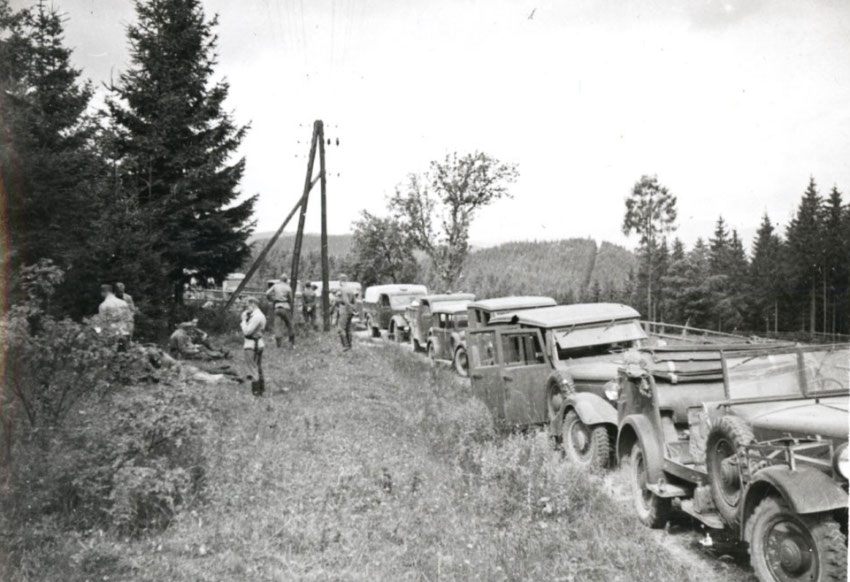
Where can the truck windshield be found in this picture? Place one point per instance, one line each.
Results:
(598, 340)
(402, 301)
(783, 374)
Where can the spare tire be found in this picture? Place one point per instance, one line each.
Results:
(725, 440)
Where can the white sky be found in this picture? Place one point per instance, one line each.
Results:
(732, 104)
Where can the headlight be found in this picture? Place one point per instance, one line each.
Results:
(612, 390)
(842, 461)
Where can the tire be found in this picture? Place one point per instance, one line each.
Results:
(652, 510)
(725, 440)
(461, 362)
(587, 446)
(375, 331)
(399, 335)
(787, 546)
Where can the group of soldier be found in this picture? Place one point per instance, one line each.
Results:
(116, 315)
(280, 295)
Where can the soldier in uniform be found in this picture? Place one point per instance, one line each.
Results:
(253, 323)
(280, 295)
(308, 307)
(345, 312)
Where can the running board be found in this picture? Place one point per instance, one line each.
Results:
(712, 519)
(667, 490)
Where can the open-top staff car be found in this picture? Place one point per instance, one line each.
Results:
(751, 440)
(384, 307)
(421, 318)
(557, 365)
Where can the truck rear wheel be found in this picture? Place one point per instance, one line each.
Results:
(786, 546)
(725, 440)
(652, 510)
(588, 446)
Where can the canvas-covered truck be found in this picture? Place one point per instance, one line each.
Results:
(750, 440)
(557, 366)
(421, 318)
(384, 307)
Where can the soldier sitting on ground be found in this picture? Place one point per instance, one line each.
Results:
(190, 343)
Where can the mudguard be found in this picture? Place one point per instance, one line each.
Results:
(592, 409)
(399, 321)
(652, 447)
(807, 490)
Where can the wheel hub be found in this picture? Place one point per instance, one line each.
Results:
(788, 554)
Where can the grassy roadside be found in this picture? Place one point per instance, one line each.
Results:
(374, 466)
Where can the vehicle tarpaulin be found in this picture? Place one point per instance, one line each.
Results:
(593, 336)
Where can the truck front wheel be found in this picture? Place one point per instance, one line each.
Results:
(588, 446)
(652, 510)
(787, 546)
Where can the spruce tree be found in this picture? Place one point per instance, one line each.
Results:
(764, 277)
(175, 144)
(47, 159)
(805, 252)
(836, 263)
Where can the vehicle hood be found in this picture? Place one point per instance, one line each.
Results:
(826, 417)
(592, 371)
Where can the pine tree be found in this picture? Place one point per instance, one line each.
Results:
(697, 303)
(836, 237)
(764, 277)
(47, 158)
(174, 143)
(805, 251)
(719, 248)
(674, 283)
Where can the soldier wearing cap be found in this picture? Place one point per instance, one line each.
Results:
(308, 307)
(280, 295)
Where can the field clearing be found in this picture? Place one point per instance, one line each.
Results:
(373, 465)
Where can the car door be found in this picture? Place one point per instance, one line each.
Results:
(484, 371)
(524, 368)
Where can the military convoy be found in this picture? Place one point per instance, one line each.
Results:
(742, 434)
(385, 308)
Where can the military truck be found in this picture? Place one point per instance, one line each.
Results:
(420, 315)
(384, 307)
(749, 440)
(447, 336)
(557, 366)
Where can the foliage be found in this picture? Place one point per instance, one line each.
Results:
(382, 253)
(437, 208)
(173, 143)
(650, 213)
(568, 270)
(49, 165)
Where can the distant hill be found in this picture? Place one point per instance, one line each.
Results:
(279, 259)
(567, 270)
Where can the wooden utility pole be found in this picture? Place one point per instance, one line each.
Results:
(326, 303)
(309, 182)
(299, 235)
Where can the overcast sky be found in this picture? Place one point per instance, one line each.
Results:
(732, 104)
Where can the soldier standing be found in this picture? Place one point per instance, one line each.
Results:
(280, 294)
(345, 312)
(253, 323)
(309, 305)
(116, 317)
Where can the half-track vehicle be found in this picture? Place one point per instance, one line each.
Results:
(384, 307)
(557, 366)
(421, 315)
(749, 440)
